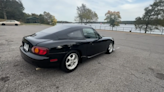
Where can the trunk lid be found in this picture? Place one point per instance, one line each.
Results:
(33, 41)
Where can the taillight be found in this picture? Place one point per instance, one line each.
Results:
(39, 50)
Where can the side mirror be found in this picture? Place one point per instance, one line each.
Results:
(100, 37)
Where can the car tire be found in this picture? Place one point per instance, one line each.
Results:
(16, 24)
(3, 24)
(110, 48)
(71, 61)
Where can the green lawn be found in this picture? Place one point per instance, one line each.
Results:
(33, 24)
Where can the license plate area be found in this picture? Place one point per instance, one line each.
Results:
(26, 47)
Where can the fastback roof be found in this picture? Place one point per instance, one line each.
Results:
(61, 27)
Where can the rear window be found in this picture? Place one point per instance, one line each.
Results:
(54, 29)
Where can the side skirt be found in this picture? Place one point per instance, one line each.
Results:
(93, 55)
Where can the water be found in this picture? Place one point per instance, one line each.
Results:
(122, 27)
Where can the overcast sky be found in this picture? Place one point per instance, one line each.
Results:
(66, 9)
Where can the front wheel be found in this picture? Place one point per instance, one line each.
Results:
(70, 62)
(110, 48)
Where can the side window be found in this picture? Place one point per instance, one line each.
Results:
(89, 33)
(7, 20)
(75, 34)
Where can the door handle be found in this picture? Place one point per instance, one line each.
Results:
(95, 40)
(91, 43)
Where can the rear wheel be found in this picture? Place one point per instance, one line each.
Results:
(110, 48)
(70, 61)
(16, 24)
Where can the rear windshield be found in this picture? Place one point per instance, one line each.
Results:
(54, 29)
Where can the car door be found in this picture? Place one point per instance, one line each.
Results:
(102, 43)
(92, 39)
(7, 22)
(12, 22)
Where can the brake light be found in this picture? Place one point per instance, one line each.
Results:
(39, 50)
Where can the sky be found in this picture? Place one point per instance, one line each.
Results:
(65, 10)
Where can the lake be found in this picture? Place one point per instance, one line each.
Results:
(122, 27)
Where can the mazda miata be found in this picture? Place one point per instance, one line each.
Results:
(64, 46)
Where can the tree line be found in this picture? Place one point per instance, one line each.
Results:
(14, 9)
(45, 18)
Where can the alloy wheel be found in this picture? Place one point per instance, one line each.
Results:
(110, 48)
(72, 61)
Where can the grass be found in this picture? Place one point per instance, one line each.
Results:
(34, 24)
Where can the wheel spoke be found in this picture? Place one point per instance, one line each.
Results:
(69, 57)
(75, 60)
(68, 62)
(72, 63)
(73, 57)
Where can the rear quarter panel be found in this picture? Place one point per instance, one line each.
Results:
(64, 46)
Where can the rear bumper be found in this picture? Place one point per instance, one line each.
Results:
(40, 61)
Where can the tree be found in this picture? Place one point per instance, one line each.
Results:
(54, 20)
(34, 15)
(26, 15)
(85, 14)
(159, 14)
(42, 19)
(80, 13)
(146, 20)
(47, 16)
(3, 7)
(113, 18)
(153, 17)
(95, 17)
(139, 23)
(50, 18)
(12, 9)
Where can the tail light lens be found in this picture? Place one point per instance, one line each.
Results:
(39, 50)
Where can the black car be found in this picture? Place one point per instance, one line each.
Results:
(64, 46)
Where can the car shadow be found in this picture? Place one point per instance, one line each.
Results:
(58, 69)
(87, 60)
(103, 55)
